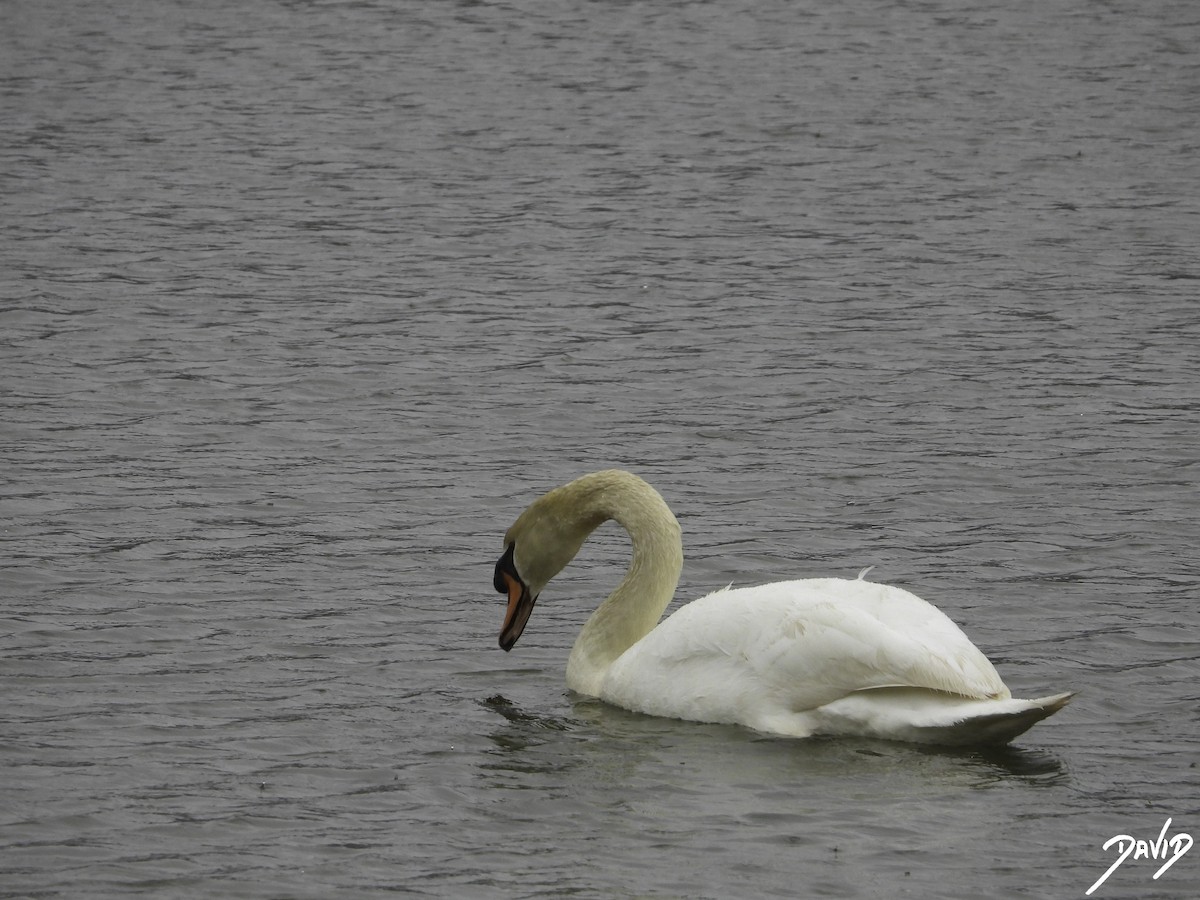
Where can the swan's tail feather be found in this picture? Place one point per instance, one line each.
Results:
(992, 728)
(929, 717)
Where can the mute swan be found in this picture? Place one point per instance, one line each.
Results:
(824, 656)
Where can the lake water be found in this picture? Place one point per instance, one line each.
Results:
(302, 302)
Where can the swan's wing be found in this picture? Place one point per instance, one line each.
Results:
(796, 645)
(854, 635)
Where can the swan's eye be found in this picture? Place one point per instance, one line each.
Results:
(505, 564)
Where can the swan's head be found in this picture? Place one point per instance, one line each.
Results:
(538, 546)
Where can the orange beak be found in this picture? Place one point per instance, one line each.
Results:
(520, 605)
(520, 602)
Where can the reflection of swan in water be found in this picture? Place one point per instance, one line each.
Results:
(797, 658)
(612, 745)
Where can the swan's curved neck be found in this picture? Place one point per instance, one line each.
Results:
(634, 608)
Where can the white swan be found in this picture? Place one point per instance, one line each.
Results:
(821, 656)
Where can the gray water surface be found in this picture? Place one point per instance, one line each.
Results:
(301, 303)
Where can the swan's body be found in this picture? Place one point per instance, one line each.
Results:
(798, 658)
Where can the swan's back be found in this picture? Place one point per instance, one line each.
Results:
(753, 654)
